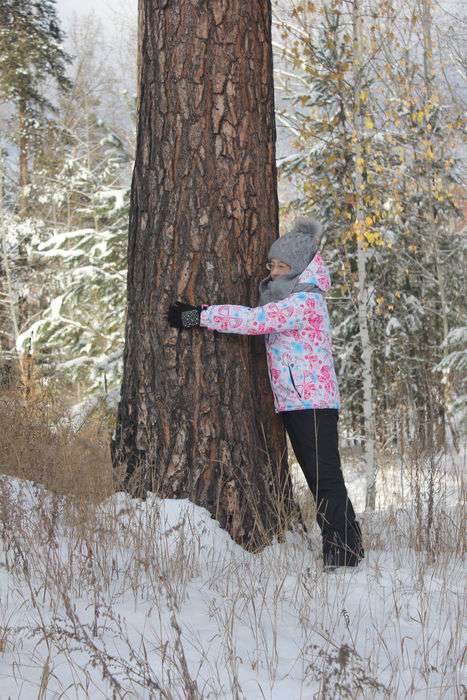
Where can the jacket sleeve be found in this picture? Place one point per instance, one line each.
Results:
(274, 317)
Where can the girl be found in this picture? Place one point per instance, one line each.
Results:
(294, 320)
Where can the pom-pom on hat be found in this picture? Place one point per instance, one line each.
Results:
(298, 246)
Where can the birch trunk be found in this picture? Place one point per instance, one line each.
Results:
(371, 467)
(23, 158)
(9, 310)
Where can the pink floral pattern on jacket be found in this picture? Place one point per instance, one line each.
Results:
(297, 334)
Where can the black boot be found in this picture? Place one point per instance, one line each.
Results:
(338, 553)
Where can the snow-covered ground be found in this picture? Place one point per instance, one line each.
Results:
(152, 599)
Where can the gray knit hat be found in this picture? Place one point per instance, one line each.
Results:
(298, 246)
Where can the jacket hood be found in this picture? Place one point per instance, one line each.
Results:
(316, 273)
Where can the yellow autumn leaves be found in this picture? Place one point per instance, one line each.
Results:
(363, 232)
(380, 301)
(298, 9)
(421, 115)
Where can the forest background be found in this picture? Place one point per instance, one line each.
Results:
(68, 129)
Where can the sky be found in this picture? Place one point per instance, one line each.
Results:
(117, 18)
(106, 9)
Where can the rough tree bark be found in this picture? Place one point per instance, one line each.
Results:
(196, 415)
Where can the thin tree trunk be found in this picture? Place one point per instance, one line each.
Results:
(9, 295)
(196, 412)
(434, 222)
(139, 55)
(368, 400)
(23, 158)
(371, 467)
(9, 311)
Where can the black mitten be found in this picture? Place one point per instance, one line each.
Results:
(181, 315)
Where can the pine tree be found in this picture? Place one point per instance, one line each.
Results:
(78, 199)
(81, 270)
(30, 54)
(81, 129)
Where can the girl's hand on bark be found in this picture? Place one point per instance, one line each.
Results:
(182, 315)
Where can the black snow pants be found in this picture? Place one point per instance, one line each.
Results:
(314, 438)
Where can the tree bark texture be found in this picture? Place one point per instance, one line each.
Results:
(196, 412)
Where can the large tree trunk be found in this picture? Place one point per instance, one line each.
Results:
(196, 412)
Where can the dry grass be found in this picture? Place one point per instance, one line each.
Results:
(40, 441)
(109, 597)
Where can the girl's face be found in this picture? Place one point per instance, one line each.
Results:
(278, 268)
